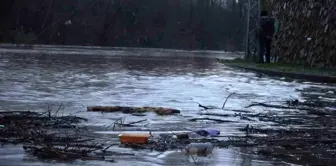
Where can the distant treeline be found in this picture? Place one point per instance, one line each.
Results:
(182, 24)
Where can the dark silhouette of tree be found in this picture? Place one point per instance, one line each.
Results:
(182, 24)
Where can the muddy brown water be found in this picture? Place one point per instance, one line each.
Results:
(79, 77)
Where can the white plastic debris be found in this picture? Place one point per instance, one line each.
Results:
(68, 22)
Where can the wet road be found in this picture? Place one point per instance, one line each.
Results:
(32, 80)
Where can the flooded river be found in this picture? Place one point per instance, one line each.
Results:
(80, 77)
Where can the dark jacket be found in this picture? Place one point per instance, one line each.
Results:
(266, 27)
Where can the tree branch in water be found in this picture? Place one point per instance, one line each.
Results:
(227, 99)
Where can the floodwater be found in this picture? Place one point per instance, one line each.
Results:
(80, 77)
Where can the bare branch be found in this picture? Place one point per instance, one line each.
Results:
(227, 99)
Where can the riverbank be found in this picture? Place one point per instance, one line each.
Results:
(285, 70)
(85, 47)
(113, 51)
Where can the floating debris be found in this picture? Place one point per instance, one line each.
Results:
(132, 110)
(36, 131)
(199, 149)
(184, 136)
(210, 119)
(134, 138)
(313, 140)
(208, 132)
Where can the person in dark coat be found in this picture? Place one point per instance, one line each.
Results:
(266, 30)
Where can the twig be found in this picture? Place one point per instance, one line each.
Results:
(216, 120)
(150, 133)
(132, 123)
(215, 114)
(267, 105)
(73, 114)
(122, 119)
(202, 106)
(108, 147)
(110, 125)
(59, 108)
(206, 107)
(282, 107)
(74, 145)
(129, 124)
(227, 99)
(49, 111)
(5, 108)
(82, 105)
(192, 157)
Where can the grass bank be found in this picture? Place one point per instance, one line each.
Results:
(285, 70)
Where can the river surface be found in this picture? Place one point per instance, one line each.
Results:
(80, 77)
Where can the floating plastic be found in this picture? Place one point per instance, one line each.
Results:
(208, 132)
(2, 126)
(134, 138)
(199, 149)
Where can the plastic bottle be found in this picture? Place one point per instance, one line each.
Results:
(199, 149)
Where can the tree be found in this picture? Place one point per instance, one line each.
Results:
(182, 24)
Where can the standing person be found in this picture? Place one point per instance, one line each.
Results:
(265, 34)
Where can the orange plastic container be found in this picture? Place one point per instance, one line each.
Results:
(134, 138)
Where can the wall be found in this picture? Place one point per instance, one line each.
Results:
(307, 33)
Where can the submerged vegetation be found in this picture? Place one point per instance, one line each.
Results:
(309, 140)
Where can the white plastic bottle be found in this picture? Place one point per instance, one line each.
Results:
(199, 149)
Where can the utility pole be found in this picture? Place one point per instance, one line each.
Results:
(252, 22)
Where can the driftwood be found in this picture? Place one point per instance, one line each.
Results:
(131, 110)
(242, 116)
(215, 114)
(284, 107)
